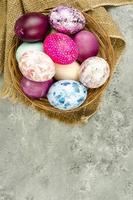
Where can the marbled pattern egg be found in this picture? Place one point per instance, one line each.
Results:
(36, 66)
(67, 94)
(94, 72)
(60, 48)
(67, 19)
(25, 46)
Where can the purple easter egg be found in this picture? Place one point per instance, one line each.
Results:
(35, 90)
(87, 43)
(32, 27)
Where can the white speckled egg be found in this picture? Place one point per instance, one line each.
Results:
(94, 72)
(67, 72)
(36, 66)
(67, 20)
(25, 46)
(67, 94)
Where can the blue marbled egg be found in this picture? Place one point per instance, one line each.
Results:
(67, 94)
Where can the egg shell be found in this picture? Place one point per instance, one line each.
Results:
(67, 72)
(94, 72)
(61, 48)
(67, 20)
(25, 46)
(32, 27)
(67, 94)
(35, 90)
(36, 66)
(87, 43)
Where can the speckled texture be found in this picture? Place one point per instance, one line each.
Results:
(67, 20)
(67, 94)
(42, 159)
(36, 66)
(61, 48)
(94, 72)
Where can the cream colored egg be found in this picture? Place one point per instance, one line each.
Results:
(67, 72)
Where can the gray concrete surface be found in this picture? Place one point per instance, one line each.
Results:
(42, 159)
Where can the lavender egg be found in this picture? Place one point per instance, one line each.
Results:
(67, 20)
(35, 90)
(94, 72)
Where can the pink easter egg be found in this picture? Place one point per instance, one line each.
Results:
(35, 90)
(36, 66)
(61, 48)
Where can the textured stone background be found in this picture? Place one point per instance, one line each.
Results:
(46, 160)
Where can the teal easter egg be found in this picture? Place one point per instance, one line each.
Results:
(67, 94)
(25, 46)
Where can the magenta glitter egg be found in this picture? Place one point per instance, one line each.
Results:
(35, 90)
(36, 66)
(61, 48)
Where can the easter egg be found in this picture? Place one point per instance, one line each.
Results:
(67, 72)
(87, 43)
(32, 27)
(94, 72)
(25, 46)
(36, 66)
(61, 48)
(67, 94)
(67, 20)
(35, 90)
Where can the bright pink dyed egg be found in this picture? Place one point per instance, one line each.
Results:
(61, 48)
(87, 43)
(35, 90)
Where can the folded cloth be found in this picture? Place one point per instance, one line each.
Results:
(10, 10)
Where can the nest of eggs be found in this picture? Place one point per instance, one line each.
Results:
(90, 106)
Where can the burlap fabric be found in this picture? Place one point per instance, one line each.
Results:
(10, 10)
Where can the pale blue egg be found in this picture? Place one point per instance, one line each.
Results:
(67, 94)
(25, 46)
